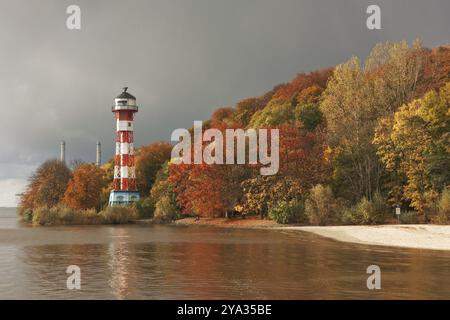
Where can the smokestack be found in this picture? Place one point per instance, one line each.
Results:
(62, 156)
(98, 160)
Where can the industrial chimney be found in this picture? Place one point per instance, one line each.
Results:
(98, 159)
(62, 156)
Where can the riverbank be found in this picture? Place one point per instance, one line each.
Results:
(249, 222)
(417, 236)
(435, 237)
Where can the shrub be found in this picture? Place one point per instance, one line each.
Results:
(320, 206)
(45, 216)
(443, 208)
(366, 212)
(165, 209)
(25, 214)
(74, 216)
(409, 217)
(287, 211)
(350, 215)
(63, 215)
(119, 214)
(145, 208)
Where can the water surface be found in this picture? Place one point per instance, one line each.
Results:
(176, 262)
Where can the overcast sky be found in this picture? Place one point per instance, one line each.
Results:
(181, 59)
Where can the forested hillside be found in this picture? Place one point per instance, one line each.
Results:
(356, 140)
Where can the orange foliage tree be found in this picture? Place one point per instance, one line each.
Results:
(303, 81)
(47, 185)
(85, 187)
(207, 190)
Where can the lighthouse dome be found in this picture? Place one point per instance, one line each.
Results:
(125, 101)
(125, 95)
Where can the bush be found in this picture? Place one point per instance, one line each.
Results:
(409, 217)
(366, 212)
(44, 216)
(287, 211)
(145, 208)
(443, 208)
(350, 215)
(320, 206)
(117, 215)
(25, 214)
(63, 215)
(165, 209)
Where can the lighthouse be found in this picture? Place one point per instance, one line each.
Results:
(124, 190)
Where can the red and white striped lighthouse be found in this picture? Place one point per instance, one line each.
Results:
(124, 186)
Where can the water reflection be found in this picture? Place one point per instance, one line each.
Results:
(121, 256)
(166, 262)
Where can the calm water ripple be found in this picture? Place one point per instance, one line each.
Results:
(169, 262)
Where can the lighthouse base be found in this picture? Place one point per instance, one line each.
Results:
(123, 198)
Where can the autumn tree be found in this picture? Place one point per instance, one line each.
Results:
(394, 70)
(260, 193)
(246, 108)
(163, 195)
(416, 144)
(436, 71)
(309, 115)
(207, 190)
(222, 115)
(302, 81)
(149, 160)
(303, 164)
(85, 187)
(47, 185)
(355, 98)
(108, 169)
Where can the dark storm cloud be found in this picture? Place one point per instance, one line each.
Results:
(181, 59)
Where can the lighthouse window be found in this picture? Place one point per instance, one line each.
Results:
(129, 124)
(122, 102)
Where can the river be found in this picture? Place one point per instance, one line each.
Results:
(199, 262)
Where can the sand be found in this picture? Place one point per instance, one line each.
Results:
(408, 236)
(434, 237)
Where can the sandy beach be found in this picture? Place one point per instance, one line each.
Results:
(419, 236)
(434, 237)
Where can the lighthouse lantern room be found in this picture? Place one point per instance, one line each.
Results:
(124, 190)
